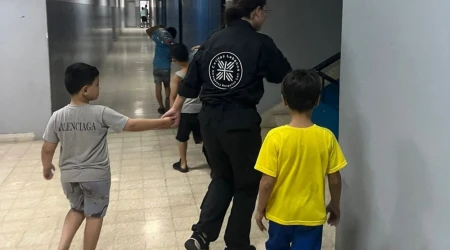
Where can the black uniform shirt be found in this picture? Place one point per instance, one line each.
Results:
(230, 66)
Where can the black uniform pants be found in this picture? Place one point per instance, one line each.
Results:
(232, 138)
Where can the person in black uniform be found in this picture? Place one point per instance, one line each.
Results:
(228, 72)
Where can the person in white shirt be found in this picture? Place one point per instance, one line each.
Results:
(144, 19)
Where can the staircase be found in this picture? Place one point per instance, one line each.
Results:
(279, 115)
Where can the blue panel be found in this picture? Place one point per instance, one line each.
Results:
(200, 19)
(173, 15)
(330, 95)
(327, 113)
(328, 117)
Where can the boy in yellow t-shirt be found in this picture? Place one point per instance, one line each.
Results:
(294, 160)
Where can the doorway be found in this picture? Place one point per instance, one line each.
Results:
(143, 4)
(147, 7)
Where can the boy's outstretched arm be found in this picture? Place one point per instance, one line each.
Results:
(265, 190)
(334, 208)
(174, 84)
(138, 125)
(47, 153)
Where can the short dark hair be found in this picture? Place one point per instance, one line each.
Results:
(172, 31)
(79, 75)
(238, 9)
(301, 90)
(179, 52)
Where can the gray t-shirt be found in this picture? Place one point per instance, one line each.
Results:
(191, 105)
(82, 132)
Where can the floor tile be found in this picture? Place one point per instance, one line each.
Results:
(10, 240)
(31, 239)
(181, 200)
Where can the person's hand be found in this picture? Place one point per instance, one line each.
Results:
(196, 47)
(174, 114)
(168, 121)
(48, 172)
(259, 216)
(335, 215)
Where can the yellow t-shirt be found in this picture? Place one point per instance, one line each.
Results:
(299, 159)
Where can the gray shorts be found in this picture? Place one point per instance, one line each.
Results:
(91, 198)
(162, 76)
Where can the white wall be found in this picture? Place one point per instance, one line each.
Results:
(395, 125)
(24, 67)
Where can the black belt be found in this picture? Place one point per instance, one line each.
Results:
(228, 106)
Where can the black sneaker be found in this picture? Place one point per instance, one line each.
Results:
(197, 242)
(161, 111)
(177, 166)
(249, 248)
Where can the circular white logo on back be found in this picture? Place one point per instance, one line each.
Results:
(225, 70)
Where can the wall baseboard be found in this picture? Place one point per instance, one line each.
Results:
(22, 137)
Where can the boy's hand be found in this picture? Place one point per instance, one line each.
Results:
(258, 218)
(174, 115)
(335, 215)
(168, 121)
(48, 172)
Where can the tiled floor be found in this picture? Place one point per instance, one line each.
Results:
(152, 206)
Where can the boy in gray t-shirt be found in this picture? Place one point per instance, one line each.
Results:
(189, 113)
(81, 129)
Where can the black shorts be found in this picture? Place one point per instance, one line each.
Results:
(144, 19)
(189, 123)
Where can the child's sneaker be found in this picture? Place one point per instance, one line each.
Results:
(249, 248)
(197, 242)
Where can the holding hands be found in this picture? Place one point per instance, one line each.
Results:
(169, 121)
(174, 115)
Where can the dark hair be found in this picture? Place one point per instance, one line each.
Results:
(179, 52)
(172, 31)
(301, 89)
(238, 9)
(79, 75)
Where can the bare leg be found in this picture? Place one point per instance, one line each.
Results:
(71, 224)
(158, 90)
(167, 91)
(182, 148)
(92, 232)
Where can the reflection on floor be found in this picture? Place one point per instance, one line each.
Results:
(152, 206)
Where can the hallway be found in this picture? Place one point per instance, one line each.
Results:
(152, 206)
